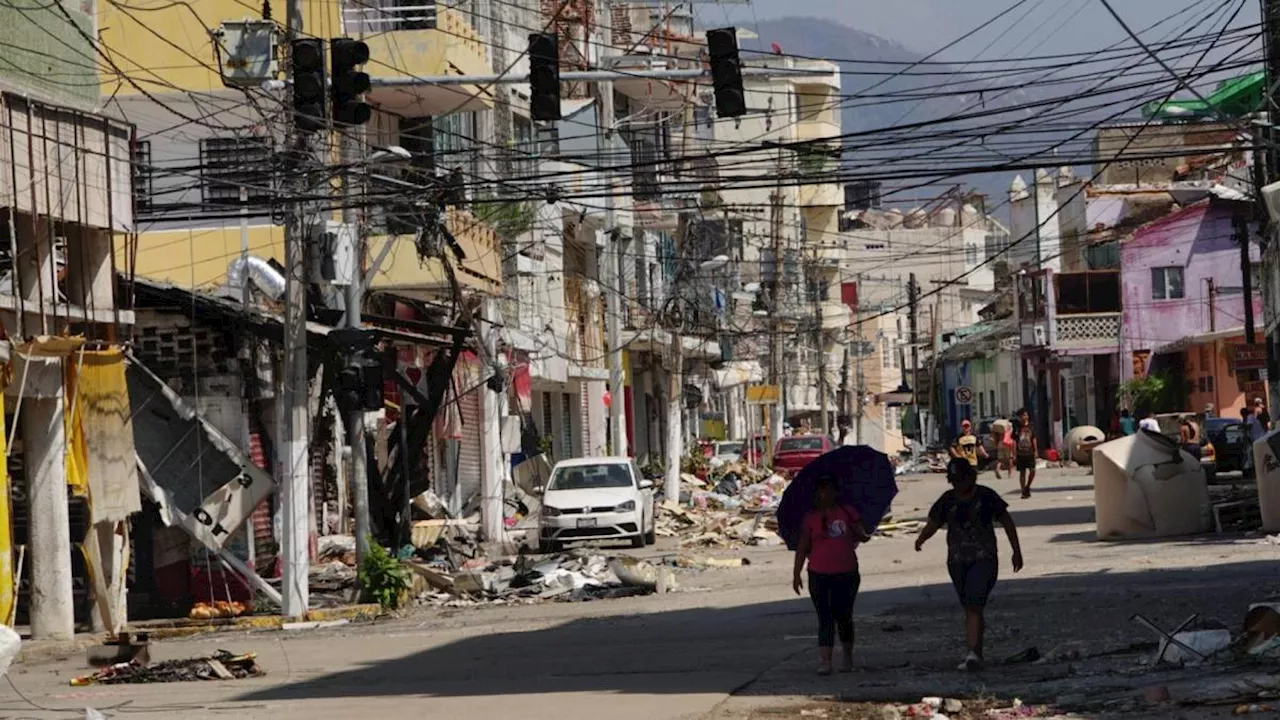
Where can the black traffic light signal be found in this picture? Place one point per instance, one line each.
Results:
(726, 72)
(309, 91)
(544, 76)
(349, 84)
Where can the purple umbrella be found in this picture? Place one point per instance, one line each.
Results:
(863, 477)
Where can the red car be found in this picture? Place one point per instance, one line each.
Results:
(792, 453)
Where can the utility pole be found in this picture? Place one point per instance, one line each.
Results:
(822, 368)
(675, 394)
(1241, 226)
(775, 347)
(1267, 165)
(859, 380)
(913, 301)
(351, 147)
(612, 264)
(295, 475)
(1213, 320)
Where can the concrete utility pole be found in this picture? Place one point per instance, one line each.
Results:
(351, 148)
(913, 301)
(1241, 223)
(822, 361)
(775, 347)
(859, 381)
(295, 465)
(612, 264)
(675, 395)
(493, 475)
(44, 442)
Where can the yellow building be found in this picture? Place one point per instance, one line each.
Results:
(208, 173)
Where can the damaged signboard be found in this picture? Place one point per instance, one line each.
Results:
(204, 482)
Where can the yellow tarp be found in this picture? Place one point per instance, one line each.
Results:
(104, 437)
(77, 457)
(8, 596)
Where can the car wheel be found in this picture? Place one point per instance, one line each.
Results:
(549, 546)
(651, 537)
(638, 541)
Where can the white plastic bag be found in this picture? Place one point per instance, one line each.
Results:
(10, 645)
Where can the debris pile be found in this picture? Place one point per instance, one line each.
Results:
(723, 512)
(525, 579)
(222, 665)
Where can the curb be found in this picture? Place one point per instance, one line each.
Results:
(40, 651)
(353, 613)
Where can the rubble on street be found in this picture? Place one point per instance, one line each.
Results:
(732, 508)
(222, 665)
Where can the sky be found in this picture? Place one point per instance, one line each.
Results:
(1035, 27)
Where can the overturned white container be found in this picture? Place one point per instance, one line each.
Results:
(1266, 463)
(1145, 486)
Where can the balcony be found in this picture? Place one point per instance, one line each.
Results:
(411, 41)
(1087, 331)
(822, 129)
(403, 273)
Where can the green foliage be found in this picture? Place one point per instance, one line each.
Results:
(546, 445)
(694, 459)
(1148, 393)
(508, 218)
(382, 577)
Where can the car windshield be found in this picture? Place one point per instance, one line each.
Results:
(799, 443)
(729, 448)
(590, 477)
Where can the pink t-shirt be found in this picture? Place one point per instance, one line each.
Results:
(833, 545)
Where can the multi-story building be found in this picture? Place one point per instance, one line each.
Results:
(65, 200)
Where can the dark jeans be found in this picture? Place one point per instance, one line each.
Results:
(833, 597)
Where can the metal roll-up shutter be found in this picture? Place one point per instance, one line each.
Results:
(470, 454)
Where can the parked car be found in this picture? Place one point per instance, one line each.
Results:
(597, 499)
(1228, 438)
(792, 453)
(727, 451)
(1208, 451)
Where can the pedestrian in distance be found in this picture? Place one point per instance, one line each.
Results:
(970, 512)
(1026, 450)
(1128, 425)
(1260, 412)
(829, 540)
(967, 445)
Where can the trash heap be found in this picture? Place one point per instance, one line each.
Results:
(222, 665)
(577, 575)
(733, 506)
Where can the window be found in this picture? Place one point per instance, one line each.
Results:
(546, 414)
(992, 395)
(886, 358)
(229, 164)
(892, 418)
(523, 151)
(143, 176)
(1166, 283)
(971, 254)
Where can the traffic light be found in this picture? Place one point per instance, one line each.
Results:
(309, 92)
(726, 72)
(544, 76)
(349, 84)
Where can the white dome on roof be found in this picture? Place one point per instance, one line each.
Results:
(1018, 185)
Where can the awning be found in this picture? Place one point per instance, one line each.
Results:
(1201, 339)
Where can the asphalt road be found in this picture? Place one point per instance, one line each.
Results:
(730, 642)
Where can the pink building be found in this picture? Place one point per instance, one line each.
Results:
(1183, 302)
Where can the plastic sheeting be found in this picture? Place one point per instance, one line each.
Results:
(1145, 486)
(77, 455)
(101, 436)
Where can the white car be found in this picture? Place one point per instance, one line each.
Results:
(727, 451)
(596, 499)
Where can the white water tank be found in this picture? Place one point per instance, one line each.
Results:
(1266, 465)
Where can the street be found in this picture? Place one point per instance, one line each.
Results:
(733, 643)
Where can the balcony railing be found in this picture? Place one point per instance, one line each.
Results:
(1087, 330)
(379, 16)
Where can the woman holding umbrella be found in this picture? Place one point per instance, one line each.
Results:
(829, 539)
(970, 512)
